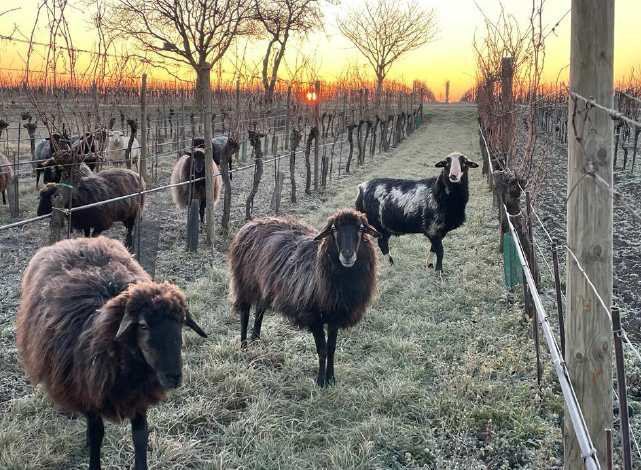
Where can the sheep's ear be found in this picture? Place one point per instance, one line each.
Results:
(125, 324)
(326, 232)
(441, 164)
(191, 323)
(471, 164)
(371, 231)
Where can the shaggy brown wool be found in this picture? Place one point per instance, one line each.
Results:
(180, 174)
(288, 266)
(6, 173)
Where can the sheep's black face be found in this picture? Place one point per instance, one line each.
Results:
(455, 167)
(199, 162)
(154, 315)
(160, 340)
(348, 229)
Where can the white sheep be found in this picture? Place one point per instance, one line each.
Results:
(117, 145)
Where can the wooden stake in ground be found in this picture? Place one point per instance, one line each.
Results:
(589, 231)
(142, 164)
(204, 71)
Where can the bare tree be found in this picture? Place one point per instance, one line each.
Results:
(281, 19)
(384, 30)
(187, 32)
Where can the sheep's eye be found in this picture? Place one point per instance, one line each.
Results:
(143, 326)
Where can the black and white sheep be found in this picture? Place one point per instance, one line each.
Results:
(312, 278)
(198, 190)
(102, 338)
(107, 184)
(45, 149)
(6, 173)
(432, 206)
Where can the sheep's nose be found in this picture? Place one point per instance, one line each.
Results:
(453, 177)
(173, 380)
(348, 254)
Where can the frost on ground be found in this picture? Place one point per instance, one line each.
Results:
(440, 374)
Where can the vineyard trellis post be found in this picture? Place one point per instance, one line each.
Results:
(623, 392)
(142, 164)
(589, 224)
(317, 112)
(507, 135)
(205, 93)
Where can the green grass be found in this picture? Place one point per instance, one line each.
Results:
(440, 374)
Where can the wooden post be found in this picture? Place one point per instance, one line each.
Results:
(142, 164)
(13, 191)
(205, 70)
(316, 124)
(288, 112)
(608, 448)
(183, 133)
(621, 387)
(507, 136)
(237, 132)
(589, 230)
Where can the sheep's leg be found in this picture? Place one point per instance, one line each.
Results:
(258, 323)
(95, 433)
(140, 434)
(383, 243)
(332, 334)
(437, 246)
(430, 257)
(321, 349)
(87, 231)
(203, 204)
(129, 224)
(244, 321)
(4, 198)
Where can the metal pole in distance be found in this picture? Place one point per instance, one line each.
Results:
(142, 164)
(623, 392)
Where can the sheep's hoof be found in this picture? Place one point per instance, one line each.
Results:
(430, 265)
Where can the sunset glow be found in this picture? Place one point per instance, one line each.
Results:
(450, 57)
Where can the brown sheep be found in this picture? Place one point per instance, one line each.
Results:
(181, 173)
(102, 338)
(314, 279)
(6, 173)
(107, 184)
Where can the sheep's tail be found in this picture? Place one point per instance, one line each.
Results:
(218, 182)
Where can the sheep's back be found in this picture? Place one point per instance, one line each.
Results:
(63, 288)
(107, 184)
(272, 263)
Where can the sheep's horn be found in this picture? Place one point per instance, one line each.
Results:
(191, 323)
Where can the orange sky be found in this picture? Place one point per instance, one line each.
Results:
(449, 57)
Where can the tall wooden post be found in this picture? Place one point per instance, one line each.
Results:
(317, 124)
(205, 72)
(142, 165)
(589, 231)
(507, 136)
(288, 112)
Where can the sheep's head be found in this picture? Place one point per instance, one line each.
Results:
(154, 315)
(455, 167)
(199, 161)
(45, 204)
(116, 137)
(347, 228)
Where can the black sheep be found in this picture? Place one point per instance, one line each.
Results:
(102, 338)
(312, 278)
(107, 184)
(431, 206)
